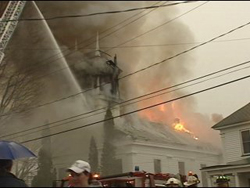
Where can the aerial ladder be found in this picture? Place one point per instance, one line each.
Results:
(12, 11)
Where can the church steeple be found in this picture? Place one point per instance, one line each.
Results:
(97, 52)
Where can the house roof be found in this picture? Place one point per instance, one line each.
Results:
(240, 116)
(234, 164)
(215, 167)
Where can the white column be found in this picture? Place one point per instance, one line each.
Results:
(237, 182)
(209, 181)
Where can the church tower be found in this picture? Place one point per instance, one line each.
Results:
(106, 77)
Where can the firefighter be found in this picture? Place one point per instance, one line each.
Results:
(69, 180)
(192, 181)
(94, 181)
(173, 182)
(222, 181)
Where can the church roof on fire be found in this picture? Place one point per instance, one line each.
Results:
(239, 116)
(162, 134)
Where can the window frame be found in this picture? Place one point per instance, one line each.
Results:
(184, 167)
(160, 165)
(242, 143)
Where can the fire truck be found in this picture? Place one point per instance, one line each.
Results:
(129, 179)
(139, 179)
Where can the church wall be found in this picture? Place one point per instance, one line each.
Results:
(144, 156)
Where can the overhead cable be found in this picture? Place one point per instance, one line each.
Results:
(94, 14)
(138, 97)
(138, 110)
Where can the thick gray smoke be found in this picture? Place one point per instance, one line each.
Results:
(37, 40)
(69, 30)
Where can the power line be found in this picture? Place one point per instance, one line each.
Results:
(169, 21)
(63, 56)
(126, 41)
(138, 110)
(112, 107)
(122, 26)
(135, 98)
(73, 94)
(188, 50)
(126, 19)
(93, 37)
(138, 46)
(176, 44)
(91, 43)
(61, 52)
(144, 32)
(97, 13)
(140, 70)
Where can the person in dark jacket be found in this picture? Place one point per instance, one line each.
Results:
(7, 179)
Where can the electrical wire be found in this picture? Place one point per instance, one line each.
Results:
(112, 107)
(141, 46)
(62, 51)
(94, 14)
(140, 70)
(121, 27)
(135, 98)
(51, 102)
(138, 110)
(165, 23)
(188, 50)
(63, 56)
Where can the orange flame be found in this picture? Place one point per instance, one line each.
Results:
(180, 127)
(157, 114)
(162, 108)
(164, 114)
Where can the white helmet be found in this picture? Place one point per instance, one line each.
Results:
(191, 180)
(173, 181)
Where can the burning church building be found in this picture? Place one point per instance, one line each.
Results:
(130, 142)
(95, 117)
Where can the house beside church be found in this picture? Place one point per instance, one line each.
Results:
(235, 136)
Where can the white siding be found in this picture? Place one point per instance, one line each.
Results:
(232, 144)
(144, 155)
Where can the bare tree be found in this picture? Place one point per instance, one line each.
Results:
(26, 169)
(18, 88)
